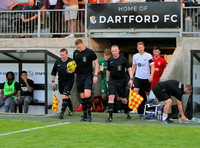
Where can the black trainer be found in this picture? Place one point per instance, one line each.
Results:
(83, 119)
(70, 113)
(167, 121)
(109, 119)
(128, 116)
(61, 115)
(89, 118)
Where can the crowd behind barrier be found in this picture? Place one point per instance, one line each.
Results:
(55, 23)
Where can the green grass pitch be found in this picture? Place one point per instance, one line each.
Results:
(121, 133)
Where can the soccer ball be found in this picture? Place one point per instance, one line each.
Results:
(71, 65)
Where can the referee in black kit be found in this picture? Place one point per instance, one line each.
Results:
(65, 81)
(117, 80)
(85, 79)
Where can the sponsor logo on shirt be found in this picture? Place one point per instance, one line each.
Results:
(179, 86)
(84, 59)
(158, 63)
(119, 68)
(24, 89)
(140, 65)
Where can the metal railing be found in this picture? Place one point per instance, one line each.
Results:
(48, 23)
(190, 22)
(54, 23)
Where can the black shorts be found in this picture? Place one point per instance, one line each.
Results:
(66, 86)
(117, 87)
(160, 93)
(143, 84)
(84, 81)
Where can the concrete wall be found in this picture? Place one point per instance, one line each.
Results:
(174, 69)
(52, 44)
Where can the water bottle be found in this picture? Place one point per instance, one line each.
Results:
(195, 119)
(180, 120)
(159, 114)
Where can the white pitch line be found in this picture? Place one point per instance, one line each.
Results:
(25, 130)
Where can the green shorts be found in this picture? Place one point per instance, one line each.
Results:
(104, 88)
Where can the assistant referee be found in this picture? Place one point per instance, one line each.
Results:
(65, 81)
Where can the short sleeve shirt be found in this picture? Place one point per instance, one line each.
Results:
(24, 89)
(104, 64)
(117, 67)
(28, 15)
(160, 65)
(61, 68)
(173, 88)
(143, 63)
(84, 60)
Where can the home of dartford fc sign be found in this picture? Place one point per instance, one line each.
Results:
(134, 15)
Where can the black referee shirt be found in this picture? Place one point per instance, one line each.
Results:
(173, 88)
(61, 68)
(117, 67)
(84, 60)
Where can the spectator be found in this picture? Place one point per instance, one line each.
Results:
(40, 4)
(188, 3)
(29, 18)
(9, 5)
(71, 15)
(160, 64)
(164, 90)
(55, 16)
(25, 93)
(9, 92)
(118, 1)
(81, 16)
(116, 79)
(103, 64)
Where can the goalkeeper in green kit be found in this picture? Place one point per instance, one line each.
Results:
(103, 63)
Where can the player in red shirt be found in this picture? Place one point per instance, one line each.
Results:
(160, 64)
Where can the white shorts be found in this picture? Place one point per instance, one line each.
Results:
(69, 15)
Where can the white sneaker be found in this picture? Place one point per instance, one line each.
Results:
(70, 36)
(133, 112)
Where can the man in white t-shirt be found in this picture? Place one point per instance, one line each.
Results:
(143, 68)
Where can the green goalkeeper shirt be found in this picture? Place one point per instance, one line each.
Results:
(104, 64)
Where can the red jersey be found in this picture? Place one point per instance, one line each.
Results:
(160, 65)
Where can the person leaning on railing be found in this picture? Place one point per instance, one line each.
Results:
(29, 19)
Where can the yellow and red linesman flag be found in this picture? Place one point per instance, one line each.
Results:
(55, 103)
(134, 100)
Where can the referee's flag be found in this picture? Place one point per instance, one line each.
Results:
(55, 102)
(134, 100)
